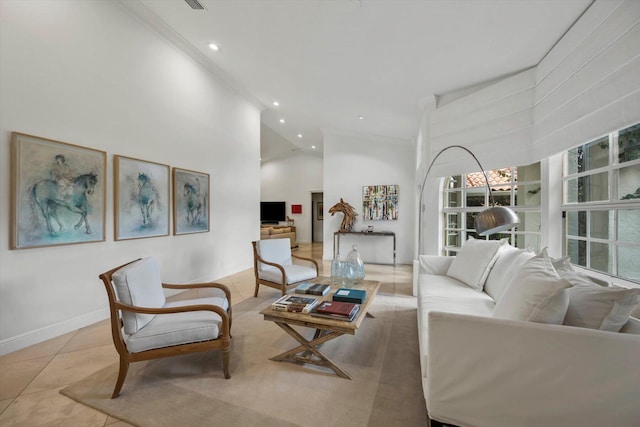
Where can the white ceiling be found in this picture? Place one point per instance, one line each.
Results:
(329, 62)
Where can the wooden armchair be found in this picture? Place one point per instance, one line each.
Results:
(145, 326)
(273, 265)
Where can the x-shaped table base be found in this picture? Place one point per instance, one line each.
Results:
(305, 352)
(307, 349)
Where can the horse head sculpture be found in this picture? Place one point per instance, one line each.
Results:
(349, 214)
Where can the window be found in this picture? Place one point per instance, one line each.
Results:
(602, 204)
(466, 195)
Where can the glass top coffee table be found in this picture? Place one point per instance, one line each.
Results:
(326, 329)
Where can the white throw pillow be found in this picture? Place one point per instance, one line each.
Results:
(603, 308)
(536, 294)
(472, 264)
(509, 261)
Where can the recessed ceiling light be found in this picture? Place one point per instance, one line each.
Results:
(276, 103)
(313, 146)
(299, 135)
(281, 120)
(214, 46)
(361, 117)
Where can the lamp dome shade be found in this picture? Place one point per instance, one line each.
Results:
(494, 220)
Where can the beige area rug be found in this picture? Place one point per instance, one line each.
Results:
(190, 390)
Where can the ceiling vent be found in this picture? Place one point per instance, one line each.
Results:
(195, 4)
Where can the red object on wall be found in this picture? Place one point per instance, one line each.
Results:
(296, 209)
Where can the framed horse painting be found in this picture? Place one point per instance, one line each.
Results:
(58, 194)
(141, 196)
(190, 201)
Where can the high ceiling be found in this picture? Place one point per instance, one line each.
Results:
(360, 66)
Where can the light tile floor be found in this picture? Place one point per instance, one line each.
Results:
(30, 379)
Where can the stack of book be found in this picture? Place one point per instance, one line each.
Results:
(338, 310)
(313, 288)
(350, 295)
(295, 303)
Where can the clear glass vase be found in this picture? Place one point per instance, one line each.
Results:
(354, 269)
(337, 268)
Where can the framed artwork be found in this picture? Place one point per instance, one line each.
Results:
(190, 201)
(296, 209)
(380, 203)
(141, 198)
(58, 194)
(320, 211)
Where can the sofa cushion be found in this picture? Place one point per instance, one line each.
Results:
(535, 294)
(631, 327)
(504, 270)
(472, 264)
(594, 306)
(603, 308)
(139, 284)
(443, 293)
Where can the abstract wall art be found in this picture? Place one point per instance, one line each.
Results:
(380, 202)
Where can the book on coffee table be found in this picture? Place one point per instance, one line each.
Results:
(312, 288)
(350, 295)
(337, 308)
(336, 314)
(295, 303)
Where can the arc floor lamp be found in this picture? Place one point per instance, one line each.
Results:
(492, 220)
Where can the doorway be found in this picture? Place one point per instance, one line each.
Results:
(317, 216)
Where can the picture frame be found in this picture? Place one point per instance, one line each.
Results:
(142, 201)
(58, 193)
(191, 196)
(320, 211)
(380, 202)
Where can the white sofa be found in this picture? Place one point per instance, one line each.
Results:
(479, 370)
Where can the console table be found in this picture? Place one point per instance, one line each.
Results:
(337, 234)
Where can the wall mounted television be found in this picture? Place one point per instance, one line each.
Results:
(272, 212)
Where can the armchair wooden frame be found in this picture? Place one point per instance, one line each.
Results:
(222, 342)
(282, 286)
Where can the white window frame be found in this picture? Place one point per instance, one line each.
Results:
(612, 204)
(463, 211)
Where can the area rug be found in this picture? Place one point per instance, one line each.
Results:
(190, 390)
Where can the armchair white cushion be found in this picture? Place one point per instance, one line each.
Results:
(179, 328)
(274, 267)
(274, 250)
(139, 284)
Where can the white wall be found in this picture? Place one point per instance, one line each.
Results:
(353, 161)
(292, 179)
(586, 87)
(91, 74)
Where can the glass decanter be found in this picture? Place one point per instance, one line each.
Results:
(354, 267)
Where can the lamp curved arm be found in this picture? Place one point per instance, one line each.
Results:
(493, 219)
(426, 175)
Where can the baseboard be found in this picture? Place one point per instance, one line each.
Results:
(19, 342)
